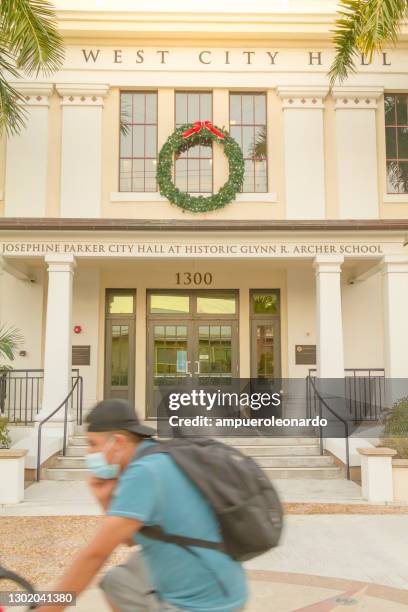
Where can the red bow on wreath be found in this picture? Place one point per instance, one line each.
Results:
(201, 125)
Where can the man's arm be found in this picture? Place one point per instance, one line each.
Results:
(114, 530)
(102, 490)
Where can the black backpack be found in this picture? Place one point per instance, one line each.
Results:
(238, 490)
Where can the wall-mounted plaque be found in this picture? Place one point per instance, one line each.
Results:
(305, 354)
(81, 355)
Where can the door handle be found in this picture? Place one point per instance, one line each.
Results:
(198, 367)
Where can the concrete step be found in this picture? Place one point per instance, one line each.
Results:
(80, 440)
(66, 474)
(278, 451)
(316, 473)
(76, 451)
(251, 450)
(263, 461)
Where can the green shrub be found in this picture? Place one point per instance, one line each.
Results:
(395, 434)
(5, 440)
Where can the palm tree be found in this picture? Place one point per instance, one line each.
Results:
(29, 43)
(364, 26)
(10, 340)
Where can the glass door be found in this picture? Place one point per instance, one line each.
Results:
(215, 351)
(265, 349)
(119, 362)
(170, 358)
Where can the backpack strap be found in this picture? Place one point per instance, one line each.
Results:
(155, 532)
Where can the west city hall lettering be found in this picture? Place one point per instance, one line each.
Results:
(212, 57)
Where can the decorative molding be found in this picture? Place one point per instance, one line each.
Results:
(154, 196)
(353, 98)
(394, 264)
(82, 94)
(298, 96)
(35, 94)
(395, 198)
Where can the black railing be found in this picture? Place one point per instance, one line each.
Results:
(364, 392)
(316, 403)
(21, 392)
(77, 389)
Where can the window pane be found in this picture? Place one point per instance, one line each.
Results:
(162, 304)
(181, 174)
(265, 303)
(151, 141)
(248, 128)
(235, 109)
(138, 141)
(125, 175)
(392, 177)
(138, 175)
(260, 109)
(260, 176)
(402, 135)
(151, 108)
(126, 142)
(120, 355)
(220, 304)
(390, 136)
(389, 107)
(194, 176)
(247, 109)
(126, 107)
(402, 118)
(205, 176)
(181, 108)
(150, 175)
(120, 303)
(138, 108)
(264, 351)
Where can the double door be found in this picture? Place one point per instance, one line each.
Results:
(180, 352)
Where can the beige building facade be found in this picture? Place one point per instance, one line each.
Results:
(306, 268)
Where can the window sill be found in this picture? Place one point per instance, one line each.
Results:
(395, 198)
(154, 196)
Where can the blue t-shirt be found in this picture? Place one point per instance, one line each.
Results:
(155, 491)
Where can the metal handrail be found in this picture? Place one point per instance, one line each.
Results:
(346, 428)
(77, 384)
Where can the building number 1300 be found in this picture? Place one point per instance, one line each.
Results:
(194, 278)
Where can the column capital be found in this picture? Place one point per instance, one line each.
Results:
(298, 96)
(353, 97)
(325, 263)
(80, 94)
(394, 264)
(35, 94)
(60, 263)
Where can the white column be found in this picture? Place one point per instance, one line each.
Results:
(395, 301)
(304, 151)
(58, 329)
(329, 324)
(356, 150)
(376, 474)
(81, 154)
(27, 156)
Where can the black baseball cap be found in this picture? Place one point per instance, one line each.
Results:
(116, 414)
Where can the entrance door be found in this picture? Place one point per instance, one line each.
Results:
(120, 344)
(195, 346)
(265, 334)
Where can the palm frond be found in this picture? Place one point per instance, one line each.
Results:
(12, 113)
(259, 146)
(349, 26)
(30, 28)
(10, 340)
(363, 26)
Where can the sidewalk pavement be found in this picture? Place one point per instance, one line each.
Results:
(325, 561)
(53, 497)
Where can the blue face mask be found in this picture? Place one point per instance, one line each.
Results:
(97, 464)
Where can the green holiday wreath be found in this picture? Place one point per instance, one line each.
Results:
(182, 139)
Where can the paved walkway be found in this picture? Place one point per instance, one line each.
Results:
(51, 497)
(325, 561)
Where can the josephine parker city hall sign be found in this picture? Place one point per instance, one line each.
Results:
(180, 248)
